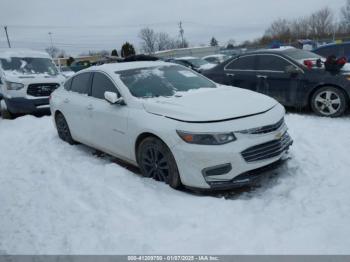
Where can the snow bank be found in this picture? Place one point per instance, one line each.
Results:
(61, 199)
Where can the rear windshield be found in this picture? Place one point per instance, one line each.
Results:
(29, 65)
(298, 54)
(162, 81)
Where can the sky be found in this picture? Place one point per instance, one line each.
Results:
(78, 26)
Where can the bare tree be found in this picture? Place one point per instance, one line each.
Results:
(149, 40)
(299, 28)
(165, 42)
(345, 18)
(280, 29)
(321, 23)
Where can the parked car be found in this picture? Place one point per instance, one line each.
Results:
(338, 50)
(27, 78)
(76, 66)
(176, 125)
(216, 59)
(296, 78)
(196, 64)
(66, 71)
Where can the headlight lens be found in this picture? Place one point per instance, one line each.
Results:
(206, 138)
(14, 86)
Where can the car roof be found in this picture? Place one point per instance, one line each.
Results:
(114, 67)
(332, 44)
(270, 51)
(22, 52)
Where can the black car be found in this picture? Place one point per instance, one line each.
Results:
(294, 77)
(194, 63)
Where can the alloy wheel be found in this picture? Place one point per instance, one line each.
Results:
(155, 164)
(327, 103)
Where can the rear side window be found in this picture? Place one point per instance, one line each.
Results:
(243, 63)
(81, 83)
(271, 63)
(68, 84)
(102, 84)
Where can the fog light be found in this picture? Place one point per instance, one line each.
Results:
(217, 170)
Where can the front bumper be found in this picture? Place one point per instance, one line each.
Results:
(23, 105)
(227, 166)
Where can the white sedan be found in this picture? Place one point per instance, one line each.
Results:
(175, 124)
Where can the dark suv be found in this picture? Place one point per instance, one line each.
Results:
(294, 77)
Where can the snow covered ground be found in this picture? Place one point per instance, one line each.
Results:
(61, 199)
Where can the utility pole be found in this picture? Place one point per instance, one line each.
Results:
(50, 35)
(7, 36)
(182, 31)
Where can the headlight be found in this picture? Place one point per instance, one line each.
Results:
(14, 86)
(206, 138)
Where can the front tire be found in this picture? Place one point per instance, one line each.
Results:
(156, 160)
(5, 114)
(63, 129)
(329, 101)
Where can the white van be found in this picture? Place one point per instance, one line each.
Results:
(27, 79)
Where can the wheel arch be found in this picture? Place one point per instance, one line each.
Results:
(142, 137)
(318, 87)
(57, 112)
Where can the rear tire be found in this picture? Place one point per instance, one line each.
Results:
(5, 114)
(329, 101)
(63, 129)
(156, 160)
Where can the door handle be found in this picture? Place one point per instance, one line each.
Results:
(261, 76)
(230, 74)
(90, 107)
(66, 100)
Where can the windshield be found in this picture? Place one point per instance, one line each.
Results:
(162, 81)
(29, 65)
(298, 54)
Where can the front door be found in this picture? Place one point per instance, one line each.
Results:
(109, 120)
(274, 81)
(241, 73)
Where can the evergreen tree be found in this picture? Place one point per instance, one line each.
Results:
(214, 42)
(70, 61)
(114, 52)
(127, 50)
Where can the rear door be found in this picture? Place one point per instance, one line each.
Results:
(109, 120)
(240, 72)
(76, 106)
(274, 81)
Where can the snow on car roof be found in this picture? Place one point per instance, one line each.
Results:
(128, 65)
(7, 53)
(186, 58)
(217, 55)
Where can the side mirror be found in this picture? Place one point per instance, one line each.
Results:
(113, 98)
(292, 70)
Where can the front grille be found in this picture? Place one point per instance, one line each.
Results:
(264, 129)
(41, 89)
(267, 150)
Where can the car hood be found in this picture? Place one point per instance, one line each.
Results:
(210, 104)
(14, 76)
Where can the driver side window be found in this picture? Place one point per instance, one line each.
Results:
(102, 84)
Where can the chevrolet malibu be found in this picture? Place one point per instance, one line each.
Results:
(174, 124)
